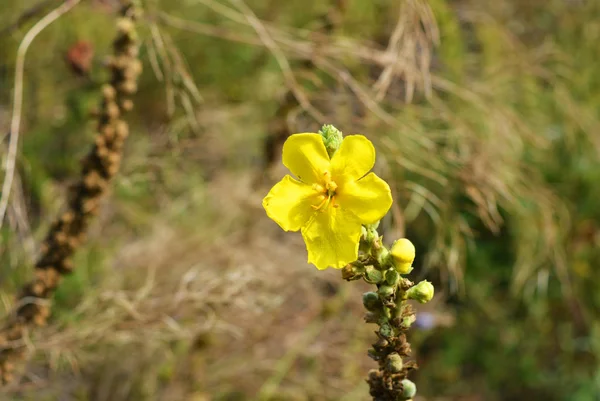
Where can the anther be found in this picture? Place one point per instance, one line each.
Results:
(331, 187)
(318, 188)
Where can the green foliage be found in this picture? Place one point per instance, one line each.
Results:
(496, 172)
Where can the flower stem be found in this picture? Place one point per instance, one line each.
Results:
(388, 308)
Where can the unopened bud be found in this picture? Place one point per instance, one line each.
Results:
(373, 275)
(393, 363)
(392, 277)
(385, 330)
(422, 292)
(403, 255)
(371, 301)
(409, 389)
(385, 291)
(332, 138)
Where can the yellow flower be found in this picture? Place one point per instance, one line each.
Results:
(331, 199)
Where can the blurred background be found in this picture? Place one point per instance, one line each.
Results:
(486, 119)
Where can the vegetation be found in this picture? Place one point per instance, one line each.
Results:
(485, 117)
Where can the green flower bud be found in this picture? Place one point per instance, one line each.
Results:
(393, 363)
(385, 330)
(382, 254)
(385, 291)
(371, 301)
(392, 277)
(422, 292)
(403, 255)
(409, 389)
(373, 275)
(332, 138)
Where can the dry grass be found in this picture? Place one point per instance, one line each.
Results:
(199, 296)
(240, 285)
(462, 124)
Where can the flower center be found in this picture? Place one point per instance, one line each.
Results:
(326, 192)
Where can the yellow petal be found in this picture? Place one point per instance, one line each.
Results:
(332, 238)
(289, 203)
(354, 159)
(369, 198)
(306, 157)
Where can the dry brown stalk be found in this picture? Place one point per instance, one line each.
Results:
(67, 233)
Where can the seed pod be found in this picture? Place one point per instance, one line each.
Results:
(109, 92)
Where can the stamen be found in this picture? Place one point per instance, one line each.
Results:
(333, 202)
(327, 192)
(331, 187)
(320, 205)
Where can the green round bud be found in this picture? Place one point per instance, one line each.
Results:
(393, 363)
(385, 291)
(385, 330)
(371, 301)
(392, 277)
(403, 255)
(422, 292)
(409, 389)
(373, 275)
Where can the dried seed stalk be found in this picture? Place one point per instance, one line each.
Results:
(68, 231)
